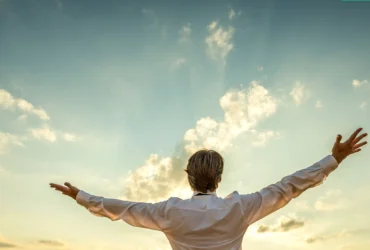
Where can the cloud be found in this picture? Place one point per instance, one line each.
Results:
(363, 105)
(44, 133)
(185, 33)
(48, 134)
(242, 112)
(160, 177)
(357, 83)
(318, 104)
(260, 68)
(320, 238)
(298, 93)
(219, 42)
(151, 15)
(70, 137)
(7, 245)
(7, 101)
(285, 224)
(7, 140)
(59, 4)
(233, 14)
(331, 201)
(261, 138)
(178, 63)
(53, 243)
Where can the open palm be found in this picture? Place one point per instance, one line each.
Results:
(68, 189)
(352, 145)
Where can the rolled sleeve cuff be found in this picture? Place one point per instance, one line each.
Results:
(82, 198)
(329, 164)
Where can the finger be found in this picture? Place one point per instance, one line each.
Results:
(68, 184)
(359, 145)
(356, 150)
(339, 138)
(354, 135)
(356, 140)
(59, 187)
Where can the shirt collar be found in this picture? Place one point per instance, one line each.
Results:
(208, 192)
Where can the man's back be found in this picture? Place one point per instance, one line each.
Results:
(205, 221)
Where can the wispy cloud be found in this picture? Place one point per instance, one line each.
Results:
(7, 140)
(163, 176)
(233, 13)
(53, 243)
(357, 83)
(7, 245)
(48, 134)
(332, 200)
(298, 93)
(363, 105)
(318, 104)
(176, 64)
(7, 101)
(262, 138)
(44, 133)
(285, 224)
(185, 33)
(70, 137)
(219, 42)
(260, 68)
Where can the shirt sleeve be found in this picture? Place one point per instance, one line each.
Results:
(137, 214)
(275, 196)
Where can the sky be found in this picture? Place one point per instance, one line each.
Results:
(114, 96)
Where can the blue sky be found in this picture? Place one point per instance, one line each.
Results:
(106, 95)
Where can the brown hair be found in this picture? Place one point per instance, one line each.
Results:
(204, 170)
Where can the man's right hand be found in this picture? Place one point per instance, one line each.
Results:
(352, 145)
(68, 189)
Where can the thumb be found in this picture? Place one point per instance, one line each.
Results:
(68, 184)
(339, 138)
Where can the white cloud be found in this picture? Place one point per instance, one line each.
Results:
(178, 63)
(7, 140)
(70, 137)
(22, 117)
(260, 68)
(357, 83)
(161, 177)
(318, 104)
(298, 93)
(155, 180)
(219, 42)
(363, 105)
(233, 14)
(242, 111)
(261, 138)
(44, 133)
(332, 200)
(7, 101)
(185, 33)
(48, 134)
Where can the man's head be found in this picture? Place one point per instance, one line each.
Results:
(204, 170)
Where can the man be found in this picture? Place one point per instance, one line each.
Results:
(206, 221)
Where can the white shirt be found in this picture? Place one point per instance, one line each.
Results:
(207, 221)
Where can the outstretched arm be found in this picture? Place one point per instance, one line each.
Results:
(275, 196)
(138, 214)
